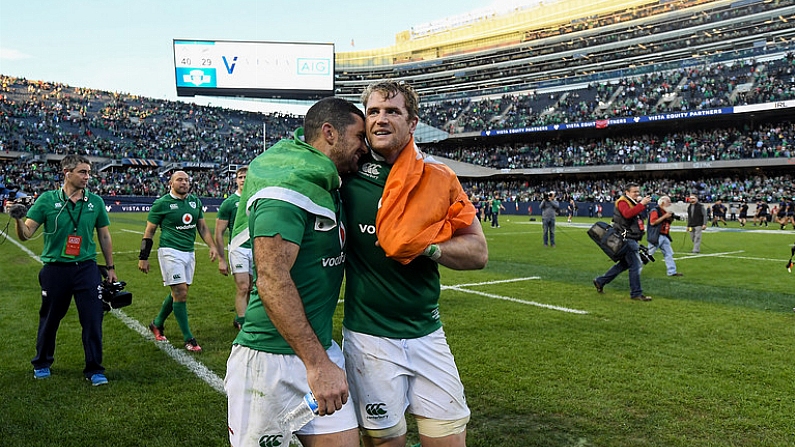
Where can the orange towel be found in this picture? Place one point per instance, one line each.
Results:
(423, 203)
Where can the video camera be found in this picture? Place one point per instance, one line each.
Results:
(113, 296)
(643, 251)
(19, 207)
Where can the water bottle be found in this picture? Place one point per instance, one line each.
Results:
(302, 414)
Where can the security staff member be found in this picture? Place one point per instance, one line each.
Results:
(70, 215)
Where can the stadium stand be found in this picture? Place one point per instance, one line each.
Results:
(516, 102)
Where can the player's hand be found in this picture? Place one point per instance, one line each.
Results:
(213, 254)
(223, 267)
(330, 387)
(143, 265)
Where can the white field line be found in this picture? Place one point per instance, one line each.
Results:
(749, 258)
(708, 255)
(516, 300)
(196, 243)
(460, 288)
(501, 281)
(178, 355)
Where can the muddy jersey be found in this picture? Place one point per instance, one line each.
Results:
(177, 219)
(317, 272)
(383, 297)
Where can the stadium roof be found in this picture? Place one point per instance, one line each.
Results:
(467, 170)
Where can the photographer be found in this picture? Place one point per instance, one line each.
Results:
(659, 236)
(70, 216)
(628, 220)
(549, 210)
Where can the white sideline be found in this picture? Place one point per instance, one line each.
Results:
(460, 288)
(178, 355)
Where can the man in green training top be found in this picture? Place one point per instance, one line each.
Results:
(241, 262)
(290, 210)
(179, 214)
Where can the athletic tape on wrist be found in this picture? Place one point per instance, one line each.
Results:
(146, 248)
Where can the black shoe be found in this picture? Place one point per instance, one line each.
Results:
(642, 298)
(599, 287)
(676, 274)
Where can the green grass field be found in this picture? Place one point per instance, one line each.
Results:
(545, 359)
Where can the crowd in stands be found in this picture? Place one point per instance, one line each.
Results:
(747, 188)
(35, 178)
(730, 143)
(42, 118)
(588, 44)
(685, 89)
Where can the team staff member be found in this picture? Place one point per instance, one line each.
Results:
(628, 220)
(70, 216)
(396, 352)
(241, 262)
(179, 214)
(285, 348)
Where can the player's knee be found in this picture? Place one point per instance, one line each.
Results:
(387, 433)
(437, 428)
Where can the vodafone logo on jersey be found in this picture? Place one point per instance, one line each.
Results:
(187, 220)
(342, 235)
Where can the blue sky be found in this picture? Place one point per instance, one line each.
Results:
(126, 46)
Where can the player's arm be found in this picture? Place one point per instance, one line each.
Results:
(207, 237)
(274, 258)
(146, 247)
(220, 227)
(466, 250)
(106, 245)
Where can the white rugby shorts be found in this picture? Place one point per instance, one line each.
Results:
(176, 266)
(241, 260)
(262, 387)
(389, 376)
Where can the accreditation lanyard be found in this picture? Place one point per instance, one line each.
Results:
(73, 241)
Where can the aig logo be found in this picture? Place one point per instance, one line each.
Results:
(310, 66)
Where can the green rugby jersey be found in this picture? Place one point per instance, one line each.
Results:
(228, 211)
(317, 272)
(177, 219)
(383, 297)
(57, 215)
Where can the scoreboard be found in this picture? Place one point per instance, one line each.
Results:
(254, 69)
